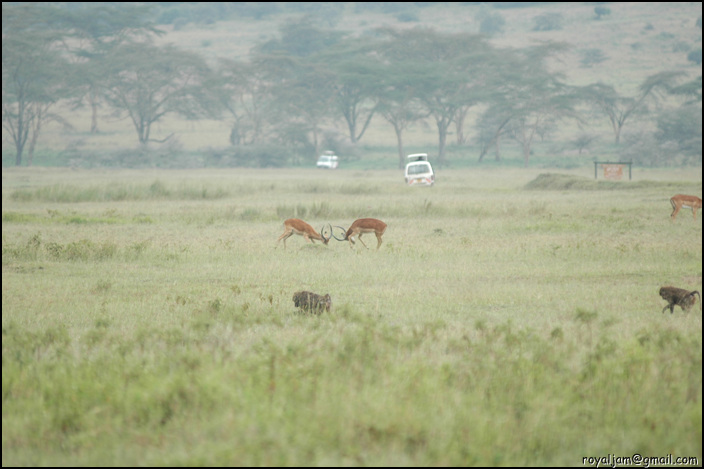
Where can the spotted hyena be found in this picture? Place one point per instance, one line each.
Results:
(312, 302)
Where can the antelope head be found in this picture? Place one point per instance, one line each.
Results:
(361, 226)
(297, 226)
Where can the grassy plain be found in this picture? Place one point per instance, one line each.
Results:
(147, 319)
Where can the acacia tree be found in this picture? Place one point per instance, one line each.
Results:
(300, 88)
(243, 91)
(302, 96)
(449, 74)
(354, 97)
(690, 92)
(357, 75)
(34, 75)
(94, 30)
(620, 109)
(400, 109)
(679, 130)
(528, 100)
(31, 85)
(147, 82)
(490, 128)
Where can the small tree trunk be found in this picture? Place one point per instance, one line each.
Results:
(18, 156)
(33, 139)
(94, 111)
(459, 126)
(442, 139)
(399, 140)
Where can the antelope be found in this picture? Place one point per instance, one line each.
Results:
(685, 299)
(678, 201)
(361, 226)
(297, 226)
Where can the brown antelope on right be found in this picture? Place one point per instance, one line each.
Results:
(678, 201)
(297, 226)
(361, 226)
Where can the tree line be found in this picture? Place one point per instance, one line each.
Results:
(291, 88)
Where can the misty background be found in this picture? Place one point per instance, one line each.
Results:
(187, 85)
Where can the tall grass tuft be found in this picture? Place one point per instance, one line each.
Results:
(67, 193)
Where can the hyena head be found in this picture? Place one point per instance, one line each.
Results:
(327, 301)
(300, 299)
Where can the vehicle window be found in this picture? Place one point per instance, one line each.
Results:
(418, 169)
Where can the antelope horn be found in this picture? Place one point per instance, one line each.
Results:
(322, 232)
(343, 230)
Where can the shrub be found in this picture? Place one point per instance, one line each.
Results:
(548, 22)
(591, 57)
(260, 156)
(491, 23)
(695, 56)
(600, 11)
(407, 17)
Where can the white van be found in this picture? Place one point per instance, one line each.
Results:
(419, 171)
(328, 160)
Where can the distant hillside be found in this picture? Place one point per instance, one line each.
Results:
(621, 47)
(618, 44)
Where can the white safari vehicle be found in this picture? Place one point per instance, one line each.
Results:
(419, 171)
(328, 160)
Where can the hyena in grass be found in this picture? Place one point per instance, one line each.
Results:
(312, 302)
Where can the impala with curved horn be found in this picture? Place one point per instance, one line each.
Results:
(361, 226)
(297, 226)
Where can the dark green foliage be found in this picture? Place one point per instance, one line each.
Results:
(260, 156)
(601, 11)
(300, 38)
(592, 57)
(583, 141)
(407, 17)
(682, 128)
(677, 141)
(491, 23)
(182, 14)
(548, 22)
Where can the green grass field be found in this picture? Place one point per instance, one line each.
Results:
(147, 319)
